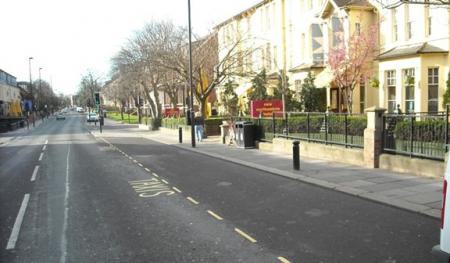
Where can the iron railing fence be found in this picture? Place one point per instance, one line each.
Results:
(321, 127)
(419, 134)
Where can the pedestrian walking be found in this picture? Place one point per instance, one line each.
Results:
(199, 122)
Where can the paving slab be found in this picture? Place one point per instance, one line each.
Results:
(423, 198)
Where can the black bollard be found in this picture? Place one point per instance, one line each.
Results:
(296, 154)
(180, 134)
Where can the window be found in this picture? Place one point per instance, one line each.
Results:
(408, 75)
(303, 46)
(316, 43)
(268, 58)
(433, 89)
(430, 22)
(409, 33)
(338, 30)
(275, 56)
(357, 29)
(267, 17)
(362, 95)
(391, 83)
(409, 23)
(298, 85)
(394, 25)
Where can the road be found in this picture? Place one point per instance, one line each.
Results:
(137, 200)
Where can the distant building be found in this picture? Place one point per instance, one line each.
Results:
(10, 98)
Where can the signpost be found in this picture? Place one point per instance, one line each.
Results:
(99, 109)
(265, 108)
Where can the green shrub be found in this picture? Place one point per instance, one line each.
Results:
(426, 131)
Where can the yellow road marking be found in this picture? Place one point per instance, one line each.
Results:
(164, 181)
(140, 164)
(282, 259)
(192, 200)
(176, 189)
(214, 215)
(242, 233)
(148, 170)
(155, 175)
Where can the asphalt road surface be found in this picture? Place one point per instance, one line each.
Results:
(66, 196)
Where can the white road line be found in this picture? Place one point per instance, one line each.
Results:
(148, 170)
(45, 147)
(66, 213)
(164, 181)
(242, 233)
(284, 260)
(46, 141)
(192, 200)
(135, 161)
(40, 156)
(18, 223)
(33, 177)
(216, 216)
(176, 189)
(155, 175)
(140, 164)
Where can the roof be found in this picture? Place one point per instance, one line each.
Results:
(306, 66)
(345, 3)
(241, 14)
(411, 50)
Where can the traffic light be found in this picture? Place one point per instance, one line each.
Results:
(97, 98)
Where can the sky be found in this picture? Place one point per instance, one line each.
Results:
(66, 38)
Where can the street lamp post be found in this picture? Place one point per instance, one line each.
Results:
(190, 78)
(39, 88)
(31, 90)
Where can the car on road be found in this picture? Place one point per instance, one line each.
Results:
(80, 110)
(60, 116)
(92, 117)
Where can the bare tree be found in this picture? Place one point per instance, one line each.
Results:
(90, 83)
(209, 70)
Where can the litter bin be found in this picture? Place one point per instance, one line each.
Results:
(244, 134)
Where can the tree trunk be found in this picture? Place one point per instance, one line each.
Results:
(203, 107)
(121, 110)
(149, 100)
(157, 102)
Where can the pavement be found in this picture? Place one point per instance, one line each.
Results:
(6, 137)
(418, 194)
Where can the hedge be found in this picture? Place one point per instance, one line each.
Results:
(426, 131)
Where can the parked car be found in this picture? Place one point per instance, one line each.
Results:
(60, 116)
(92, 117)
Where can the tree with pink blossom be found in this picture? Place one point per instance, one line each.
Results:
(351, 61)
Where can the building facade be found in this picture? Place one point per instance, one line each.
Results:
(10, 99)
(408, 68)
(413, 60)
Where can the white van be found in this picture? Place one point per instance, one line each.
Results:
(441, 253)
